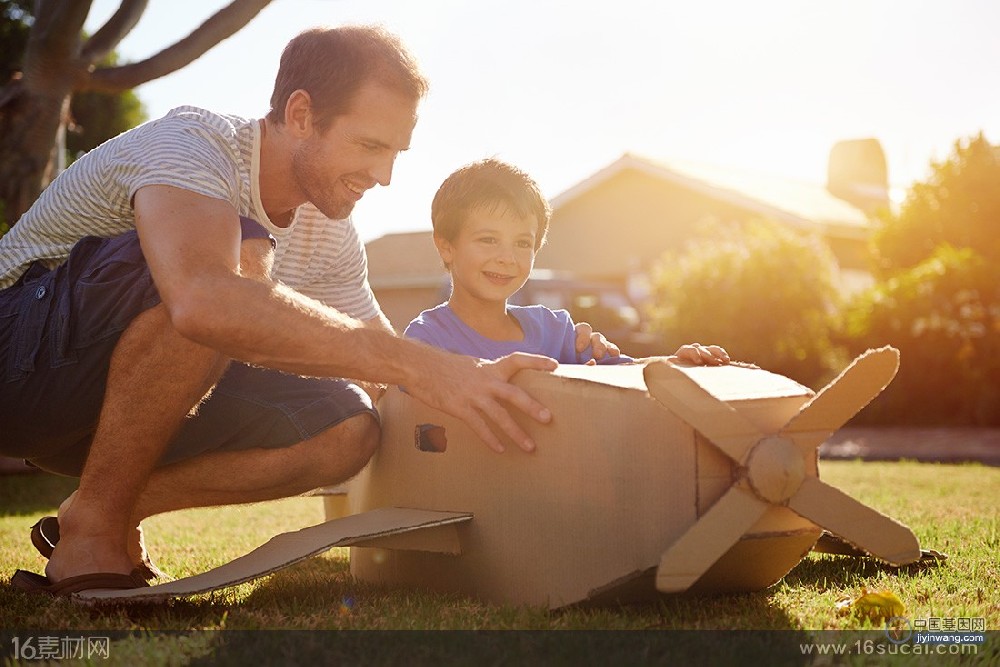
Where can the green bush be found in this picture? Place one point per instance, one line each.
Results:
(958, 205)
(938, 297)
(944, 316)
(762, 291)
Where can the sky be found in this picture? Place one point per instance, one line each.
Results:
(563, 88)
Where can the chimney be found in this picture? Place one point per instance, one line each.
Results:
(857, 173)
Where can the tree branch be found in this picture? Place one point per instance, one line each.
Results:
(54, 38)
(222, 25)
(104, 41)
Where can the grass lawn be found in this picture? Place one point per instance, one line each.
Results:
(951, 508)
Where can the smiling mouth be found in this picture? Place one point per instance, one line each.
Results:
(355, 189)
(497, 277)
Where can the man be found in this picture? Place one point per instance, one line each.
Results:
(195, 240)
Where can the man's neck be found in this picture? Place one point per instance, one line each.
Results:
(278, 192)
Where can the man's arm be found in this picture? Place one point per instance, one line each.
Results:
(192, 246)
(378, 323)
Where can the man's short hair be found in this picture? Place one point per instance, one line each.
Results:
(492, 185)
(331, 64)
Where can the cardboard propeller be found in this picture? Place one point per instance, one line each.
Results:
(772, 469)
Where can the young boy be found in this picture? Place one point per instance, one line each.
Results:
(489, 220)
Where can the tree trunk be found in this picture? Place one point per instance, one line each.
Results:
(29, 125)
(34, 107)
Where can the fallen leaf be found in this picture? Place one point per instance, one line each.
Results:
(873, 605)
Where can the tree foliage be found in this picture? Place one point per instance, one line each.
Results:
(958, 205)
(59, 61)
(762, 291)
(15, 22)
(95, 116)
(938, 300)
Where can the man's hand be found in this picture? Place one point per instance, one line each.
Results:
(702, 355)
(480, 394)
(599, 345)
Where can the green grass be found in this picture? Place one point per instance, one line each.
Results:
(951, 508)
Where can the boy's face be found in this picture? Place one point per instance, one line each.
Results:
(492, 254)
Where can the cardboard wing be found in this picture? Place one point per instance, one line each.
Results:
(290, 548)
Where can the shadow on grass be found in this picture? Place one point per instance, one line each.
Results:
(324, 607)
(839, 572)
(33, 493)
(322, 594)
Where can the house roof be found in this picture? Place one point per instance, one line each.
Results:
(802, 204)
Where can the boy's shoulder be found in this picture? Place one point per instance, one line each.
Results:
(542, 313)
(428, 320)
(432, 314)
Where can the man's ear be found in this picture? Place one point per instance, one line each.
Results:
(444, 249)
(298, 113)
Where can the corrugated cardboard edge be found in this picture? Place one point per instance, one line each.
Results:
(287, 549)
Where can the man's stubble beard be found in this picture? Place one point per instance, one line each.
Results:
(305, 169)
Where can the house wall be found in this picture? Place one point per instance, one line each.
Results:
(402, 304)
(627, 221)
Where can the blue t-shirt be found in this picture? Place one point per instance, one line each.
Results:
(547, 332)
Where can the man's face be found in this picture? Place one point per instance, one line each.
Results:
(357, 150)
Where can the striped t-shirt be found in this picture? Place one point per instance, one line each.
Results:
(208, 153)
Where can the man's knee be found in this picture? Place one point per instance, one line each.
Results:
(361, 438)
(343, 450)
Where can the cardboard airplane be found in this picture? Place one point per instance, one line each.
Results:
(651, 478)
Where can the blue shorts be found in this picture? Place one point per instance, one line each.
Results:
(58, 329)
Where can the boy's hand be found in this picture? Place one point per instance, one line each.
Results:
(599, 345)
(702, 355)
(479, 393)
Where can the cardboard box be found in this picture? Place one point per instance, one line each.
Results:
(650, 478)
(623, 489)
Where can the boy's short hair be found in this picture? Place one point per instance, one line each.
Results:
(331, 64)
(490, 184)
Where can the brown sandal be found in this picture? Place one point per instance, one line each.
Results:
(45, 536)
(30, 582)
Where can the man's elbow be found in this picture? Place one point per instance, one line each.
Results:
(195, 314)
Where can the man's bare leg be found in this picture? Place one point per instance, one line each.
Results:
(252, 475)
(155, 377)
